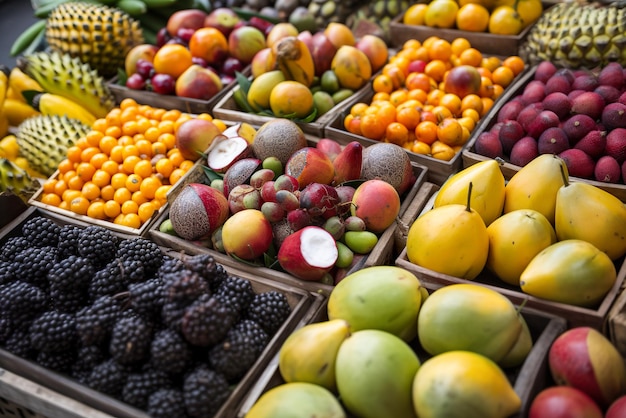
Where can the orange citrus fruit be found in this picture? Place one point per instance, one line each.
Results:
(172, 59)
(472, 18)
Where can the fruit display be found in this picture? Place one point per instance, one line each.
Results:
(308, 210)
(500, 17)
(171, 335)
(575, 114)
(553, 225)
(587, 35)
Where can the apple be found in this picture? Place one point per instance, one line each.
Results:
(244, 42)
(187, 18)
(462, 80)
(617, 408)
(377, 203)
(138, 52)
(197, 82)
(195, 136)
(584, 358)
(222, 19)
(309, 253)
(197, 211)
(563, 402)
(226, 151)
(322, 51)
(247, 234)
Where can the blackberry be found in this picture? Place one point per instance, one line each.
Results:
(69, 280)
(146, 298)
(12, 247)
(33, 264)
(184, 286)
(98, 244)
(206, 322)
(236, 293)
(53, 331)
(172, 315)
(18, 343)
(130, 339)
(21, 302)
(7, 274)
(59, 361)
(166, 403)
(170, 352)
(206, 266)
(68, 240)
(94, 323)
(139, 386)
(108, 377)
(87, 358)
(270, 310)
(234, 356)
(253, 330)
(169, 266)
(204, 391)
(6, 327)
(109, 280)
(41, 232)
(144, 250)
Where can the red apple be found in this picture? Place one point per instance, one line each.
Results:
(563, 402)
(244, 42)
(195, 136)
(197, 82)
(222, 19)
(226, 151)
(377, 203)
(247, 234)
(197, 211)
(462, 80)
(143, 51)
(584, 358)
(617, 408)
(309, 253)
(187, 18)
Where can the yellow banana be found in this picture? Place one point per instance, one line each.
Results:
(19, 82)
(12, 94)
(17, 112)
(294, 60)
(9, 148)
(53, 104)
(4, 127)
(4, 82)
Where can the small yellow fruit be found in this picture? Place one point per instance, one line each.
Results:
(441, 14)
(473, 18)
(291, 99)
(504, 20)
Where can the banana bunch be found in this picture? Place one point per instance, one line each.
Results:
(152, 14)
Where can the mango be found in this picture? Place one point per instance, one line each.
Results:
(487, 194)
(387, 298)
(468, 317)
(463, 384)
(570, 271)
(352, 67)
(261, 88)
(375, 372)
(297, 400)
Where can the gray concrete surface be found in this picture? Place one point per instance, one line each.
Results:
(15, 16)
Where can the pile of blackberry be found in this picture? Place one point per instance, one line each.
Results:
(171, 336)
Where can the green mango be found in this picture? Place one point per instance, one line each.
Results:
(297, 400)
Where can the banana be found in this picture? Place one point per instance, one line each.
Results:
(26, 38)
(17, 112)
(132, 7)
(9, 147)
(53, 104)
(16, 180)
(67, 76)
(19, 82)
(294, 60)
(4, 82)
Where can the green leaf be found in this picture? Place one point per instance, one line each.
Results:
(310, 117)
(121, 77)
(29, 95)
(353, 183)
(252, 263)
(211, 174)
(243, 81)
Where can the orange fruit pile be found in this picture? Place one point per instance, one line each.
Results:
(123, 168)
(414, 110)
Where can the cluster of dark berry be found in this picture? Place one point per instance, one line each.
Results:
(168, 335)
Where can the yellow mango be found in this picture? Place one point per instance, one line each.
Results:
(261, 88)
(352, 67)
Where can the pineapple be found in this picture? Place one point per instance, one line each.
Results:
(98, 35)
(578, 35)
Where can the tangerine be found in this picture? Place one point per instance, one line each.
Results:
(472, 18)
(415, 14)
(172, 59)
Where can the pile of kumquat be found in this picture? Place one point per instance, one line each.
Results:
(123, 168)
(410, 106)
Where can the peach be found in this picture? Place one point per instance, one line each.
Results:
(377, 203)
(310, 165)
(309, 253)
(247, 234)
(197, 82)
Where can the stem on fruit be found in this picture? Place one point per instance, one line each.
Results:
(565, 180)
(469, 196)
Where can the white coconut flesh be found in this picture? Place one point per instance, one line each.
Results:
(226, 151)
(318, 248)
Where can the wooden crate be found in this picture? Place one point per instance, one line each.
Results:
(470, 156)
(184, 104)
(617, 322)
(301, 302)
(227, 109)
(574, 315)
(527, 380)
(381, 254)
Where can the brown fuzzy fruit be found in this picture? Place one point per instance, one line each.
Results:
(578, 162)
(388, 162)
